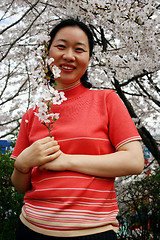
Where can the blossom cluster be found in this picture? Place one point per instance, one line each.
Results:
(130, 33)
(47, 72)
(49, 96)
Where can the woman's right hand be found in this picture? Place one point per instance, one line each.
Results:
(39, 153)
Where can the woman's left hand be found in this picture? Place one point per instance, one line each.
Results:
(59, 164)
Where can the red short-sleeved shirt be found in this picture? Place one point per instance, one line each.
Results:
(71, 203)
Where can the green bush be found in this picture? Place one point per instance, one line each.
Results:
(142, 209)
(10, 201)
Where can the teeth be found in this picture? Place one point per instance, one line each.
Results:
(68, 68)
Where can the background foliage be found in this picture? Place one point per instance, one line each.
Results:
(10, 200)
(140, 208)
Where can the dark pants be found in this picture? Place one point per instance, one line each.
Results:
(24, 233)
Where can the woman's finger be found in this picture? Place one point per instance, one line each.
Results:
(51, 158)
(51, 150)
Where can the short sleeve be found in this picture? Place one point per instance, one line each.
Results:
(121, 126)
(22, 140)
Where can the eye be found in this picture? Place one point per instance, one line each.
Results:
(61, 46)
(80, 50)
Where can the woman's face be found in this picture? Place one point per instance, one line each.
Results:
(70, 50)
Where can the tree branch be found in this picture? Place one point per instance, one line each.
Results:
(146, 92)
(8, 27)
(15, 95)
(13, 43)
(147, 138)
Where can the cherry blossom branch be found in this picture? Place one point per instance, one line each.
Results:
(49, 96)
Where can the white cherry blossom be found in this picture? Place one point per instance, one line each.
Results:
(50, 61)
(56, 71)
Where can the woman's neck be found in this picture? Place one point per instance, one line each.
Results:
(64, 86)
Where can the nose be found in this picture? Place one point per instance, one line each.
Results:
(69, 55)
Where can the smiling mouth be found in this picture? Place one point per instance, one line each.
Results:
(67, 67)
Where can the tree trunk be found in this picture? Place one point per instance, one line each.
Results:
(147, 138)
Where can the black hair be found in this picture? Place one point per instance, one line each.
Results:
(71, 22)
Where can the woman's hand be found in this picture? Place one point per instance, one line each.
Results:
(61, 163)
(39, 153)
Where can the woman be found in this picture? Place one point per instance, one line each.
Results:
(69, 179)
